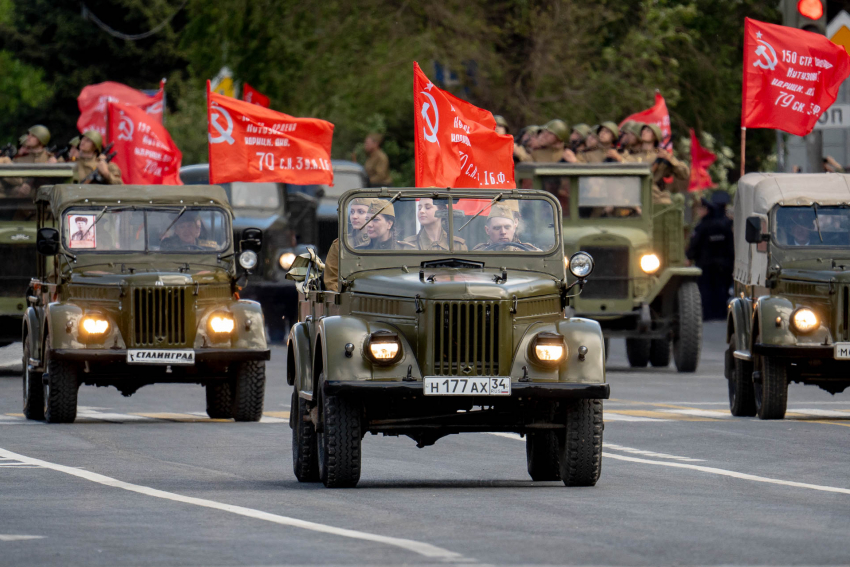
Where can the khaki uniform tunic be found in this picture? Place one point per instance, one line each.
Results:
(676, 168)
(84, 167)
(547, 155)
(378, 169)
(40, 157)
(421, 241)
(357, 239)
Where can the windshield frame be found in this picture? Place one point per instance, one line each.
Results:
(95, 210)
(774, 227)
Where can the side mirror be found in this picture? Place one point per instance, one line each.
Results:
(752, 232)
(47, 241)
(252, 239)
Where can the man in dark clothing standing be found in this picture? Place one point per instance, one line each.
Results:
(712, 249)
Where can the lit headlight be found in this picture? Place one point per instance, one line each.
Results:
(222, 324)
(804, 320)
(650, 263)
(248, 259)
(580, 264)
(384, 347)
(286, 260)
(95, 325)
(548, 349)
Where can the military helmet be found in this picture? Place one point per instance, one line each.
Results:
(611, 126)
(383, 207)
(559, 128)
(655, 130)
(22, 140)
(41, 133)
(582, 129)
(500, 121)
(95, 137)
(75, 142)
(634, 127)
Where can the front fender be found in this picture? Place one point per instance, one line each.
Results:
(577, 332)
(63, 325)
(738, 322)
(771, 307)
(335, 332)
(672, 277)
(299, 358)
(250, 331)
(32, 331)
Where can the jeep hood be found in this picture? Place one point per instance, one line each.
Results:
(456, 284)
(102, 275)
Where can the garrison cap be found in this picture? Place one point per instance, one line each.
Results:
(502, 210)
(381, 206)
(362, 201)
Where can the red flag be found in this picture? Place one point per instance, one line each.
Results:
(144, 149)
(656, 115)
(791, 77)
(701, 158)
(252, 95)
(94, 98)
(456, 142)
(251, 143)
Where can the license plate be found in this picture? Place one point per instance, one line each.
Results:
(185, 357)
(842, 351)
(474, 386)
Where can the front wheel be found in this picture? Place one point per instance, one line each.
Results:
(687, 338)
(742, 401)
(637, 351)
(60, 390)
(219, 399)
(304, 461)
(771, 390)
(33, 389)
(581, 445)
(339, 442)
(249, 390)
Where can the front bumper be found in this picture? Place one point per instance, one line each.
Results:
(519, 390)
(795, 351)
(202, 356)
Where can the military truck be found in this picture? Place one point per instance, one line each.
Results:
(18, 183)
(641, 289)
(428, 341)
(790, 321)
(139, 285)
(287, 217)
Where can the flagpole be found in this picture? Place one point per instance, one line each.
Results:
(743, 148)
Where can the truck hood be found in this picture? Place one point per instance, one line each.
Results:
(101, 275)
(456, 284)
(575, 236)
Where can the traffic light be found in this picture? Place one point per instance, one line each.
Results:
(809, 15)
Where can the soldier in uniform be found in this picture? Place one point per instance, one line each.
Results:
(358, 214)
(630, 140)
(604, 150)
(550, 142)
(73, 150)
(712, 248)
(664, 163)
(381, 227)
(91, 160)
(187, 232)
(501, 125)
(377, 163)
(37, 138)
(502, 223)
(578, 136)
(432, 234)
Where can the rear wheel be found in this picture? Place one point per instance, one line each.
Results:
(687, 338)
(742, 401)
(581, 446)
(60, 390)
(771, 390)
(219, 399)
(33, 389)
(249, 390)
(637, 351)
(659, 352)
(305, 463)
(339, 441)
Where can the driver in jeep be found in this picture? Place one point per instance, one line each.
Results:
(501, 230)
(187, 232)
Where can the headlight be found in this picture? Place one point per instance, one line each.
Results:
(248, 259)
(95, 325)
(384, 347)
(804, 320)
(286, 260)
(650, 263)
(548, 349)
(222, 324)
(580, 264)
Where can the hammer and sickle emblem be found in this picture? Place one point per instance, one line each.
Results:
(125, 129)
(224, 134)
(432, 126)
(767, 56)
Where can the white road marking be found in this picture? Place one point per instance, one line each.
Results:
(421, 548)
(614, 416)
(821, 412)
(113, 417)
(13, 537)
(634, 451)
(700, 413)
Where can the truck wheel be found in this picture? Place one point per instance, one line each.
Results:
(219, 399)
(60, 391)
(687, 339)
(771, 395)
(742, 401)
(249, 391)
(339, 442)
(542, 449)
(659, 352)
(305, 463)
(637, 351)
(581, 446)
(33, 389)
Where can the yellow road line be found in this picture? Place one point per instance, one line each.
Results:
(661, 415)
(280, 414)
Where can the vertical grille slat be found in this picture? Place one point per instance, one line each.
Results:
(610, 278)
(159, 316)
(466, 338)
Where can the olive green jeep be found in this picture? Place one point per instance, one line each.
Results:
(18, 184)
(139, 285)
(790, 319)
(641, 289)
(429, 336)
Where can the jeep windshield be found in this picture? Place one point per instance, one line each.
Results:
(422, 224)
(145, 229)
(812, 226)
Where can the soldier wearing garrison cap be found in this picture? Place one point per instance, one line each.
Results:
(380, 226)
(502, 222)
(358, 214)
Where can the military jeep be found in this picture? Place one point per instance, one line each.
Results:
(641, 289)
(139, 285)
(790, 321)
(428, 340)
(18, 184)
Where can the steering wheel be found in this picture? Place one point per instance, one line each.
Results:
(504, 245)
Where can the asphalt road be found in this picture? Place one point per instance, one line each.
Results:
(148, 480)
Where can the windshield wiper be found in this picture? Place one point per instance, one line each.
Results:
(493, 202)
(393, 200)
(817, 222)
(180, 214)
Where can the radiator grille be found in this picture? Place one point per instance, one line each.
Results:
(610, 277)
(19, 267)
(159, 316)
(466, 338)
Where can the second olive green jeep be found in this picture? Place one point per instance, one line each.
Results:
(448, 317)
(641, 289)
(140, 285)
